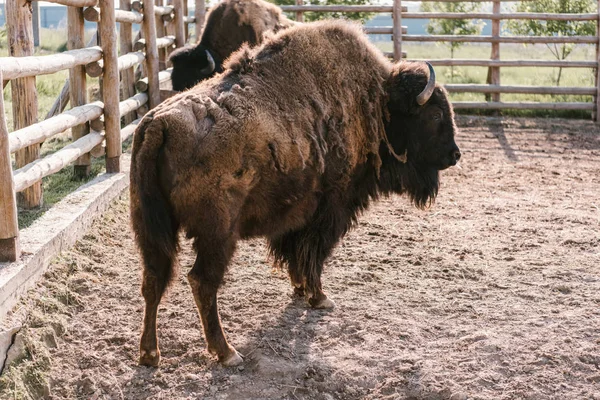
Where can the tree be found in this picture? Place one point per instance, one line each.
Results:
(313, 16)
(453, 26)
(555, 28)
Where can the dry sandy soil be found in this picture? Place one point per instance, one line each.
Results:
(493, 293)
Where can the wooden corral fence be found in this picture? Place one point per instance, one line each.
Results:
(494, 63)
(96, 126)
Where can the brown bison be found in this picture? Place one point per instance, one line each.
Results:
(229, 25)
(291, 142)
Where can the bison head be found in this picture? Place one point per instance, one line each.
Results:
(420, 131)
(192, 65)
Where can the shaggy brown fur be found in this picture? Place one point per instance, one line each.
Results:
(291, 142)
(230, 24)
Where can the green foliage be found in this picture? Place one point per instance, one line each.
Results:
(555, 28)
(453, 26)
(312, 16)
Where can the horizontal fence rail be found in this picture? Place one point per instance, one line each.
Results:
(98, 128)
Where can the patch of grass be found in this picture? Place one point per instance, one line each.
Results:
(55, 187)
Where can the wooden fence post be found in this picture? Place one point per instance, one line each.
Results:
(179, 23)
(149, 32)
(300, 14)
(24, 94)
(596, 113)
(36, 22)
(126, 44)
(110, 85)
(186, 27)
(495, 71)
(200, 14)
(9, 226)
(77, 84)
(161, 31)
(397, 30)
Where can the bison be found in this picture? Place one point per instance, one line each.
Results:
(291, 142)
(229, 25)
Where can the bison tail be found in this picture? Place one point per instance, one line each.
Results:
(152, 216)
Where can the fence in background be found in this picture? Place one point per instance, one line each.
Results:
(494, 63)
(95, 126)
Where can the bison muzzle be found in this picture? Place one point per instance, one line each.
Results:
(290, 143)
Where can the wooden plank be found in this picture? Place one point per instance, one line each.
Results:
(160, 43)
(34, 172)
(129, 129)
(510, 63)
(382, 30)
(397, 30)
(185, 21)
(503, 16)
(477, 88)
(494, 72)
(501, 39)
(299, 14)
(149, 31)
(77, 81)
(126, 47)
(122, 15)
(24, 95)
(200, 14)
(523, 106)
(596, 113)
(161, 31)
(110, 86)
(31, 66)
(9, 226)
(37, 133)
(163, 76)
(75, 3)
(125, 61)
(179, 25)
(341, 8)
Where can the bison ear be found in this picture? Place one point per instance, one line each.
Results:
(410, 86)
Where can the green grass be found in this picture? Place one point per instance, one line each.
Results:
(527, 76)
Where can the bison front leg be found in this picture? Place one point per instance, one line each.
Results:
(305, 252)
(205, 278)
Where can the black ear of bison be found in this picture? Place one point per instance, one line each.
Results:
(192, 65)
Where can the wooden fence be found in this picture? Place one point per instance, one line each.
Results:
(494, 63)
(96, 127)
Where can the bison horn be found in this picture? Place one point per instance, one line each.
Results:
(211, 64)
(424, 96)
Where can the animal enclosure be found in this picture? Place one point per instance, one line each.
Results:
(96, 126)
(493, 293)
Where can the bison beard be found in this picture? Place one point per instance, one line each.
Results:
(291, 142)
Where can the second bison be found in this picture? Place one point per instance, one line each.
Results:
(229, 25)
(292, 142)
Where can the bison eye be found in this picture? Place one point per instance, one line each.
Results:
(438, 116)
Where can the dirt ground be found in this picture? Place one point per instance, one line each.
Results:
(493, 293)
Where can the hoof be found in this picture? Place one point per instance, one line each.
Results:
(232, 359)
(150, 358)
(321, 304)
